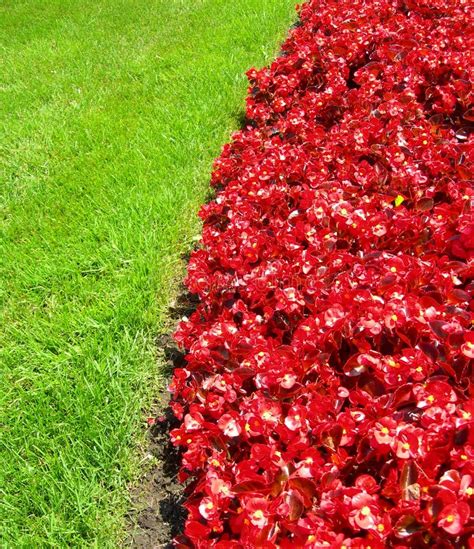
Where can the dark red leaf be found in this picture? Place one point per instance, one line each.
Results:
(295, 504)
(408, 478)
(250, 487)
(407, 526)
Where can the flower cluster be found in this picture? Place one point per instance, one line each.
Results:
(327, 397)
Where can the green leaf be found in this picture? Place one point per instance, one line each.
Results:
(399, 200)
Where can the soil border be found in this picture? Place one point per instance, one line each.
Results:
(157, 514)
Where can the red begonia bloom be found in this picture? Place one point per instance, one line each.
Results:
(327, 398)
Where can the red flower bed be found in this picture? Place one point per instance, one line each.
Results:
(327, 397)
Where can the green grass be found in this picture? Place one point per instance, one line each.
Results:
(111, 112)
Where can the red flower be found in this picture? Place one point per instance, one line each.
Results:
(257, 511)
(296, 418)
(221, 488)
(384, 432)
(208, 508)
(365, 512)
(327, 395)
(229, 425)
(468, 347)
(453, 517)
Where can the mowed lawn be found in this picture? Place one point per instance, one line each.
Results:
(111, 112)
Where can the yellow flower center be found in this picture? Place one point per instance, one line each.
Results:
(365, 511)
(380, 527)
(450, 518)
(384, 430)
(258, 514)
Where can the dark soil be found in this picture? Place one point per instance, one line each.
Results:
(157, 515)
